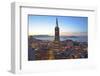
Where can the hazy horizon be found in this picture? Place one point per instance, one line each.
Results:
(54, 35)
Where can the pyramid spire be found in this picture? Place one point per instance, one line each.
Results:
(56, 22)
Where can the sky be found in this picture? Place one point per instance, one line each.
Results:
(69, 25)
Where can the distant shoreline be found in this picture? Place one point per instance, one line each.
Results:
(53, 36)
(62, 38)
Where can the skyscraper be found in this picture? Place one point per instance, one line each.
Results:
(56, 42)
(57, 38)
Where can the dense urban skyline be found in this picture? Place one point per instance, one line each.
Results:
(69, 25)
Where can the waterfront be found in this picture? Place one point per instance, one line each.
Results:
(62, 38)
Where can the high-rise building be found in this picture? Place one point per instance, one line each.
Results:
(56, 42)
(57, 38)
